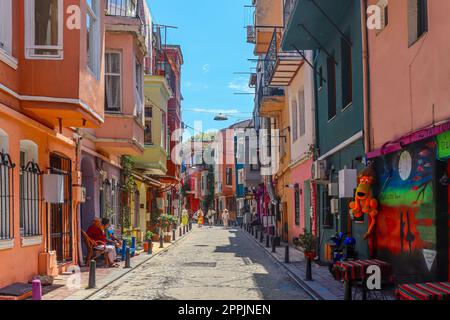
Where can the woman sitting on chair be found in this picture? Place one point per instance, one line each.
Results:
(97, 233)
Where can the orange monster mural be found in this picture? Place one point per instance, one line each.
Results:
(364, 202)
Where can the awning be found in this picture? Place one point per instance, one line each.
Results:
(313, 22)
(271, 191)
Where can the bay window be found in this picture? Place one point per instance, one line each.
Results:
(93, 36)
(113, 82)
(6, 15)
(44, 29)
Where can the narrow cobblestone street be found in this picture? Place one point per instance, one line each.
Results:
(212, 263)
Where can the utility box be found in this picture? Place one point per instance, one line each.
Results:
(334, 206)
(347, 183)
(333, 189)
(53, 188)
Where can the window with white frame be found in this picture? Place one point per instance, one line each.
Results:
(148, 138)
(93, 34)
(44, 29)
(139, 89)
(301, 112)
(6, 26)
(30, 190)
(113, 82)
(163, 130)
(294, 120)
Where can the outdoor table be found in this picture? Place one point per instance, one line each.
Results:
(424, 291)
(355, 270)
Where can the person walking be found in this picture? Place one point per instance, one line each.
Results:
(225, 217)
(211, 216)
(200, 218)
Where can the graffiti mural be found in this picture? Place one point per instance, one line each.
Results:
(406, 228)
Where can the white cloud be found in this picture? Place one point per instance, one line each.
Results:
(240, 85)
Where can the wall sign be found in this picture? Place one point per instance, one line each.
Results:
(443, 142)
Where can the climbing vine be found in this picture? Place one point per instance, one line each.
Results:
(128, 189)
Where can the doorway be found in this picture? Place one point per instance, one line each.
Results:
(442, 219)
(61, 213)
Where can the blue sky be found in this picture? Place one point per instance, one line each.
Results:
(213, 39)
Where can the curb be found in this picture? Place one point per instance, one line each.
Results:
(300, 282)
(134, 268)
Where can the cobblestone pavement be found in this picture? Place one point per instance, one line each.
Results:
(212, 263)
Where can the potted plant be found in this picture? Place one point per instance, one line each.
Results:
(148, 239)
(308, 242)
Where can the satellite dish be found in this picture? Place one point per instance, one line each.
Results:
(220, 117)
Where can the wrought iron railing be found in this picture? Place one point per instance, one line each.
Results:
(6, 197)
(30, 200)
(123, 8)
(288, 9)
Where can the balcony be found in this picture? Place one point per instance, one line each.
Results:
(281, 66)
(153, 162)
(267, 17)
(121, 134)
(269, 100)
(128, 16)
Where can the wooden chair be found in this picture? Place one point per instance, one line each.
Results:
(93, 252)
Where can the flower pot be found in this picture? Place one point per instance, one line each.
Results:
(167, 238)
(155, 238)
(310, 255)
(145, 246)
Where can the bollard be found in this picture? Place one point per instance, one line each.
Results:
(92, 269)
(161, 241)
(267, 241)
(179, 232)
(308, 270)
(273, 245)
(261, 237)
(36, 289)
(256, 233)
(286, 254)
(173, 235)
(124, 249)
(253, 231)
(150, 246)
(184, 230)
(127, 259)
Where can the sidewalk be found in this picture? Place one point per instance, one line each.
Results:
(323, 286)
(104, 276)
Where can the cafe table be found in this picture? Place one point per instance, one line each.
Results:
(356, 270)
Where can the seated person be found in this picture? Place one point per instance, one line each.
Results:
(96, 233)
(109, 231)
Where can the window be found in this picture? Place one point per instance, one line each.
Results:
(229, 176)
(6, 26)
(297, 207)
(139, 90)
(148, 138)
(113, 82)
(294, 120)
(44, 29)
(93, 34)
(346, 73)
(325, 203)
(163, 131)
(301, 112)
(417, 19)
(6, 191)
(30, 193)
(115, 195)
(241, 176)
(331, 80)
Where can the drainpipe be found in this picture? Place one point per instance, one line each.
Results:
(366, 76)
(78, 141)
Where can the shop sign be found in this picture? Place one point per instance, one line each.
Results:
(443, 141)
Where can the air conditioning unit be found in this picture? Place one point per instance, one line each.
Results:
(334, 206)
(333, 189)
(347, 183)
(319, 170)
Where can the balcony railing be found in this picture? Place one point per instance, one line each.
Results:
(123, 8)
(288, 8)
(275, 59)
(262, 91)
